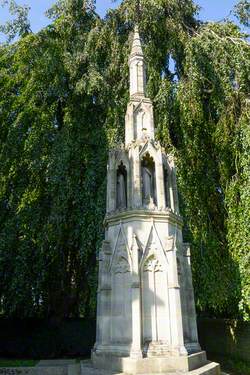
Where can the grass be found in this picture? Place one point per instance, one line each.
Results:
(17, 362)
(231, 365)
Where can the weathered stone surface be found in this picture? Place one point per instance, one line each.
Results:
(208, 369)
(150, 365)
(86, 368)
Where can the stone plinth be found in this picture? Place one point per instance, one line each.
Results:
(193, 364)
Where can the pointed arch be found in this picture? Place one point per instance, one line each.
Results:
(121, 186)
(150, 148)
(148, 178)
(142, 122)
(121, 299)
(121, 254)
(154, 243)
(122, 176)
(154, 286)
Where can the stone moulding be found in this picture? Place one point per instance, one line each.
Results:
(145, 215)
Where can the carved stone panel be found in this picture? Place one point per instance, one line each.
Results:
(154, 294)
(121, 301)
(120, 263)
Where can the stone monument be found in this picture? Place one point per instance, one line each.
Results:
(146, 319)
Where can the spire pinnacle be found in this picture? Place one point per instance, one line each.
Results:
(136, 45)
(137, 66)
(139, 123)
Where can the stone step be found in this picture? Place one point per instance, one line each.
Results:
(209, 369)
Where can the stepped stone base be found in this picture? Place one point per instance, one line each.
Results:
(195, 364)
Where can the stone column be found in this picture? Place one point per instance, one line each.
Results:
(175, 192)
(111, 184)
(129, 186)
(136, 351)
(152, 128)
(129, 125)
(193, 333)
(99, 303)
(183, 282)
(177, 338)
(171, 190)
(136, 178)
(104, 292)
(159, 174)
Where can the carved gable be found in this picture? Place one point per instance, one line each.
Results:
(121, 261)
(154, 258)
(151, 148)
(142, 121)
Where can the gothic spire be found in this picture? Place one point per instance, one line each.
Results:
(137, 67)
(136, 45)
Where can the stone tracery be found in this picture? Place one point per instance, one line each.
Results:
(152, 264)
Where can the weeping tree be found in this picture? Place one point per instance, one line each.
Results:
(213, 158)
(62, 106)
(53, 150)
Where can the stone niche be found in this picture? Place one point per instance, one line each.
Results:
(142, 176)
(148, 183)
(121, 187)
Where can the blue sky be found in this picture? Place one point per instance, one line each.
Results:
(211, 10)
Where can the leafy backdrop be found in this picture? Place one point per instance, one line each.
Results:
(63, 98)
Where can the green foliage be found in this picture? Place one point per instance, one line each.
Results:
(242, 12)
(53, 159)
(212, 100)
(231, 365)
(20, 26)
(62, 106)
(17, 363)
(238, 205)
